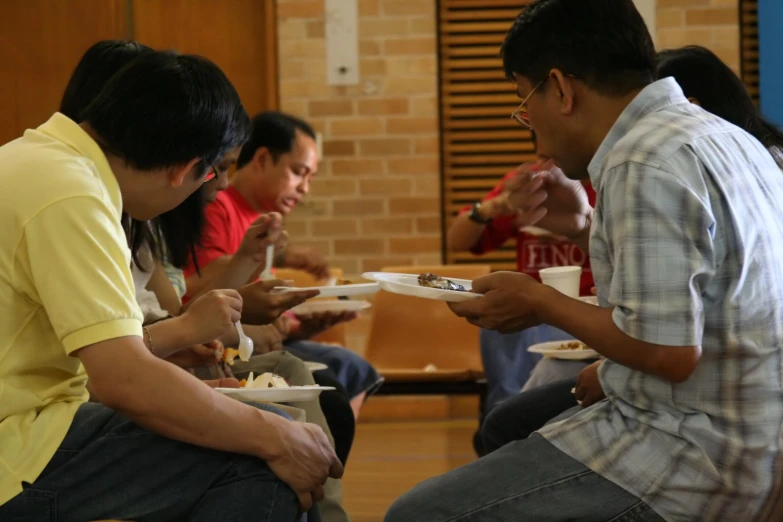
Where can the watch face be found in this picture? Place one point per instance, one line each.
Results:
(474, 215)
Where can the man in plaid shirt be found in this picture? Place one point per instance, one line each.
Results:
(686, 243)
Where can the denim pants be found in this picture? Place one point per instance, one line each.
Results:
(521, 416)
(526, 481)
(350, 369)
(508, 364)
(110, 468)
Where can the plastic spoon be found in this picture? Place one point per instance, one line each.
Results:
(245, 343)
(266, 275)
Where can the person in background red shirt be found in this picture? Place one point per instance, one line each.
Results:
(486, 226)
(273, 175)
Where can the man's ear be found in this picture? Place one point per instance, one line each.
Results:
(261, 158)
(178, 173)
(565, 89)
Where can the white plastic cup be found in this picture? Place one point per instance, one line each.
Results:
(564, 279)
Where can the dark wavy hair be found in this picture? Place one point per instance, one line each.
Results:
(703, 76)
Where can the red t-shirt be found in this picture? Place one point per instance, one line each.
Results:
(225, 222)
(533, 253)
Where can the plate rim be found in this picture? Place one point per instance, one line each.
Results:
(550, 353)
(331, 289)
(363, 306)
(384, 283)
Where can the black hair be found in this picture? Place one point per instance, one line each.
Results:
(604, 43)
(164, 109)
(180, 229)
(99, 63)
(703, 76)
(97, 66)
(177, 231)
(274, 130)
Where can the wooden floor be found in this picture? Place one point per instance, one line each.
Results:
(388, 459)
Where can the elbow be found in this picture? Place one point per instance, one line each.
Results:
(113, 394)
(677, 364)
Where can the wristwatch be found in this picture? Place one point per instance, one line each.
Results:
(475, 216)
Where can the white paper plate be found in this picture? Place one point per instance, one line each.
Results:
(591, 299)
(333, 291)
(408, 284)
(337, 307)
(292, 394)
(315, 366)
(550, 349)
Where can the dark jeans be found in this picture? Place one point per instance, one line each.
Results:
(527, 481)
(351, 370)
(338, 413)
(110, 468)
(518, 417)
(507, 363)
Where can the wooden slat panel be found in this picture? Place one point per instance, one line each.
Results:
(475, 27)
(749, 45)
(488, 14)
(480, 141)
(470, 39)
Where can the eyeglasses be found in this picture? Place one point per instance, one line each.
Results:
(212, 173)
(520, 115)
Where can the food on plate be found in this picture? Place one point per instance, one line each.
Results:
(229, 354)
(573, 345)
(343, 282)
(265, 380)
(440, 283)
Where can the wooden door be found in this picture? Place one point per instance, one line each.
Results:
(238, 35)
(41, 41)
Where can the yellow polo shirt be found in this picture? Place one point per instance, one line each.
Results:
(65, 283)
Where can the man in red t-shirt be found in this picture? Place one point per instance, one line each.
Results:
(274, 170)
(486, 226)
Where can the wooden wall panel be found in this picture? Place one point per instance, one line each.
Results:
(238, 35)
(41, 42)
(480, 141)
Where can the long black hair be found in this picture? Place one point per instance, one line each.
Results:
(703, 76)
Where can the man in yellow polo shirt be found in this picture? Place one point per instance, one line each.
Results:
(161, 445)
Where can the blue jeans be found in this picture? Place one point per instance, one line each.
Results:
(110, 468)
(350, 369)
(526, 481)
(508, 364)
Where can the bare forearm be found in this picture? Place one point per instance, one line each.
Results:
(163, 398)
(464, 234)
(583, 239)
(236, 274)
(595, 327)
(171, 335)
(228, 272)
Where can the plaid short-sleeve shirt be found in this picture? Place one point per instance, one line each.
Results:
(687, 247)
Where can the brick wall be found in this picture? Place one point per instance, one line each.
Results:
(711, 23)
(375, 200)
